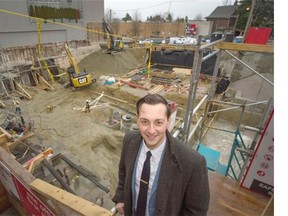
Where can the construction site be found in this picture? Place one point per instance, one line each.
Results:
(63, 117)
(61, 143)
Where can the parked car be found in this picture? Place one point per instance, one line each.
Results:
(153, 41)
(182, 40)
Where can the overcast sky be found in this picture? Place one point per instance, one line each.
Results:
(178, 8)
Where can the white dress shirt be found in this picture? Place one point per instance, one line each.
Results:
(154, 164)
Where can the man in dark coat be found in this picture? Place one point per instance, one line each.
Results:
(178, 182)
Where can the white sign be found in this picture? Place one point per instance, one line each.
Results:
(260, 173)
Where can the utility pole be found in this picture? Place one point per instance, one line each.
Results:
(110, 15)
(169, 7)
(250, 18)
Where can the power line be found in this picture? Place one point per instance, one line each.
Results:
(54, 22)
(144, 7)
(157, 5)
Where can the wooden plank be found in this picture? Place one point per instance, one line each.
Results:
(22, 174)
(4, 138)
(245, 47)
(45, 82)
(23, 91)
(119, 84)
(269, 210)
(157, 89)
(27, 135)
(227, 197)
(78, 204)
(4, 201)
(133, 85)
(110, 97)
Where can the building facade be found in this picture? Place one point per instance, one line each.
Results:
(61, 20)
(223, 18)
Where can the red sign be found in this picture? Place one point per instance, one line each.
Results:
(258, 35)
(30, 202)
(193, 29)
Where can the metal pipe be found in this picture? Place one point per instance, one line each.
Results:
(199, 104)
(252, 129)
(210, 55)
(232, 152)
(246, 65)
(206, 114)
(192, 91)
(215, 72)
(194, 128)
(237, 106)
(176, 133)
(262, 123)
(256, 138)
(212, 43)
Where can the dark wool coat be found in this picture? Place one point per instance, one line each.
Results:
(183, 187)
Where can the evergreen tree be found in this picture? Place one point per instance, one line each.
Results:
(263, 15)
(127, 18)
(169, 17)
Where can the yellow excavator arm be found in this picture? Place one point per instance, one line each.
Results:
(77, 78)
(72, 60)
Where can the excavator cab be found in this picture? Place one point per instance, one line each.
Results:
(80, 79)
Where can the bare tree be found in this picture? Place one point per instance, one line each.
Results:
(108, 15)
(198, 17)
(226, 2)
(178, 24)
(116, 26)
(136, 16)
(135, 30)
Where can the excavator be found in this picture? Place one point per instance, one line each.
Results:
(113, 44)
(77, 78)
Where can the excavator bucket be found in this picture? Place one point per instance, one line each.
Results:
(103, 45)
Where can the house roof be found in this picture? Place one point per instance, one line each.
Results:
(227, 11)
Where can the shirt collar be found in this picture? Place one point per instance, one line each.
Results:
(157, 152)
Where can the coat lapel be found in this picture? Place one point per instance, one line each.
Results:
(168, 170)
(133, 146)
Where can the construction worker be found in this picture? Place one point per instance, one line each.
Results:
(87, 107)
(17, 107)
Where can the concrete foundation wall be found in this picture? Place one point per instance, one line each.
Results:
(261, 62)
(248, 118)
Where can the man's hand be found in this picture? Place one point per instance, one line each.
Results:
(120, 208)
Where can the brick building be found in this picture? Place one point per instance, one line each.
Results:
(223, 18)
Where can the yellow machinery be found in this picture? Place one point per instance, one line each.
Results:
(77, 78)
(114, 44)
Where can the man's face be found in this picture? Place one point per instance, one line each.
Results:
(152, 122)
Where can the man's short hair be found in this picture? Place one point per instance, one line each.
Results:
(153, 99)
